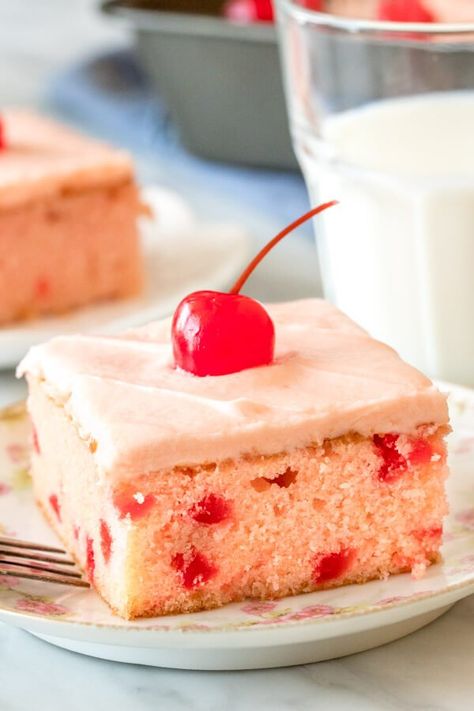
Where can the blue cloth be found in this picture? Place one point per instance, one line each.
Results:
(109, 96)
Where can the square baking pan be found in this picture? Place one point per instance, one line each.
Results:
(220, 81)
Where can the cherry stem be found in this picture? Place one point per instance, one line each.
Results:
(264, 251)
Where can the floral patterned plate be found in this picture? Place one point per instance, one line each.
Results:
(296, 630)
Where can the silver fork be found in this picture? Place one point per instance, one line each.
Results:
(35, 561)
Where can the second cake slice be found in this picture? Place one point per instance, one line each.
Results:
(68, 220)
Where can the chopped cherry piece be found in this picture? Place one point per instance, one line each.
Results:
(90, 558)
(36, 444)
(421, 452)
(429, 535)
(193, 568)
(133, 503)
(332, 566)
(105, 540)
(3, 143)
(55, 505)
(42, 288)
(404, 11)
(394, 463)
(211, 509)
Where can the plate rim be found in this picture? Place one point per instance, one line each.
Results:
(259, 636)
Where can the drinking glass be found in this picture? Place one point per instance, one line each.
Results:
(382, 119)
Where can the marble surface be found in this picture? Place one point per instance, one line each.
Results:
(430, 670)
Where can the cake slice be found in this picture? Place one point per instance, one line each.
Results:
(178, 493)
(68, 219)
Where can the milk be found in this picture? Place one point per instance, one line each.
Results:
(397, 254)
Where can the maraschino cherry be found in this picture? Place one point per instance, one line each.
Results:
(217, 333)
(404, 11)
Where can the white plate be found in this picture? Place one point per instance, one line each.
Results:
(297, 630)
(181, 255)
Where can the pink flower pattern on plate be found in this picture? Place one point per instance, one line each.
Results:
(40, 607)
(263, 607)
(258, 607)
(466, 518)
(9, 583)
(193, 627)
(401, 598)
(310, 612)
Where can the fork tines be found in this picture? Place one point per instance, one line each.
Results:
(35, 561)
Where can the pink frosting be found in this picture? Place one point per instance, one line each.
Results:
(43, 158)
(329, 378)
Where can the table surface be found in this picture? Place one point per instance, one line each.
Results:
(430, 670)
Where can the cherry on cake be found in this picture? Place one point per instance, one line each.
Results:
(68, 219)
(176, 492)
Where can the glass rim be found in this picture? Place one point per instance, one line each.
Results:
(353, 24)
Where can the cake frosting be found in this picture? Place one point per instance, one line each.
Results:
(43, 158)
(329, 378)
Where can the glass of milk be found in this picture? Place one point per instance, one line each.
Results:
(382, 118)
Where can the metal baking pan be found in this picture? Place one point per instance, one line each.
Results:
(220, 81)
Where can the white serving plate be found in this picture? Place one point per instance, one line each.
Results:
(297, 630)
(181, 254)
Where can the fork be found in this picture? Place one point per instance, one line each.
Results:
(35, 561)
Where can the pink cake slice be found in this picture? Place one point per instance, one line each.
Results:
(178, 493)
(68, 220)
